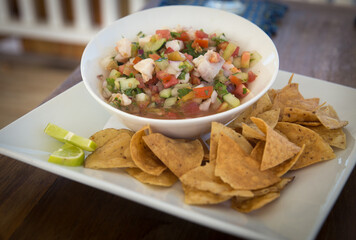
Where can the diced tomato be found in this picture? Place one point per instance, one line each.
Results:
(140, 79)
(201, 34)
(251, 76)
(190, 107)
(143, 104)
(183, 37)
(154, 56)
(167, 79)
(241, 91)
(188, 56)
(169, 50)
(165, 33)
(223, 45)
(172, 81)
(203, 92)
(235, 80)
(236, 52)
(121, 69)
(136, 60)
(127, 69)
(204, 43)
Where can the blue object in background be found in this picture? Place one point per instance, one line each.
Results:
(264, 14)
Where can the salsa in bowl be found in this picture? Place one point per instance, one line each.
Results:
(180, 74)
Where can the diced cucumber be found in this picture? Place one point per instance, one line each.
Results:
(237, 62)
(127, 83)
(165, 93)
(255, 58)
(179, 86)
(216, 104)
(231, 100)
(242, 76)
(186, 66)
(114, 74)
(221, 77)
(154, 45)
(169, 102)
(229, 50)
(162, 63)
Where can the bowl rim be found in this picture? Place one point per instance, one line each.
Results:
(210, 117)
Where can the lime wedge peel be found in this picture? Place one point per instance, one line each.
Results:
(68, 155)
(69, 137)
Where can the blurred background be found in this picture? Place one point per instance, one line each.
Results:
(41, 43)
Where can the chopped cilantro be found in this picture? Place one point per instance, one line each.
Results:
(220, 88)
(175, 34)
(183, 91)
(244, 90)
(132, 91)
(182, 75)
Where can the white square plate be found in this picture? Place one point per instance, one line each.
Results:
(297, 214)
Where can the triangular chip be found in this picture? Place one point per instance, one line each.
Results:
(334, 137)
(316, 149)
(165, 179)
(246, 206)
(103, 136)
(238, 169)
(203, 178)
(113, 154)
(195, 196)
(270, 117)
(142, 155)
(216, 130)
(292, 114)
(329, 118)
(252, 131)
(277, 149)
(274, 188)
(179, 156)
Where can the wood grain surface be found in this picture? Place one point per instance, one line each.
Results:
(313, 40)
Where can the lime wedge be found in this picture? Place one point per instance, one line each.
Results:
(68, 155)
(68, 137)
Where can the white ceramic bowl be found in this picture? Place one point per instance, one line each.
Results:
(236, 28)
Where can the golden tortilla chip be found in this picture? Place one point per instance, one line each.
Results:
(277, 149)
(165, 179)
(252, 131)
(292, 114)
(194, 196)
(216, 130)
(334, 137)
(262, 105)
(246, 206)
(312, 124)
(316, 149)
(103, 136)
(270, 117)
(113, 154)
(178, 156)
(238, 169)
(142, 155)
(329, 118)
(203, 178)
(274, 188)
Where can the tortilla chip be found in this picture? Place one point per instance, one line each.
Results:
(194, 196)
(312, 124)
(103, 136)
(257, 151)
(178, 156)
(274, 188)
(238, 169)
(165, 179)
(263, 104)
(316, 149)
(287, 165)
(329, 118)
(270, 117)
(114, 154)
(292, 114)
(277, 149)
(142, 155)
(245, 206)
(252, 131)
(216, 130)
(334, 137)
(203, 178)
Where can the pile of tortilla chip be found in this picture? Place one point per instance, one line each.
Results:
(246, 161)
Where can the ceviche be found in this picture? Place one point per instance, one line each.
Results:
(177, 73)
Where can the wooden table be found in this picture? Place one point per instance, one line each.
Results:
(313, 40)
